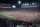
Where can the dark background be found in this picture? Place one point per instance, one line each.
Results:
(15, 1)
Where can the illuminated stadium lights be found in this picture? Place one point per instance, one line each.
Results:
(32, 3)
(27, 3)
(19, 2)
(14, 6)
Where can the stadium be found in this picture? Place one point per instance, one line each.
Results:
(24, 15)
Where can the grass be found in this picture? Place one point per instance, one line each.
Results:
(7, 15)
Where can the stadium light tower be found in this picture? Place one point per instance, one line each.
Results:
(14, 6)
(19, 2)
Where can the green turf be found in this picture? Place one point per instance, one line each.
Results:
(7, 15)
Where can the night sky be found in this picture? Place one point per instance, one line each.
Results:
(15, 1)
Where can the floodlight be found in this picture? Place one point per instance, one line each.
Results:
(19, 2)
(14, 6)
(27, 3)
